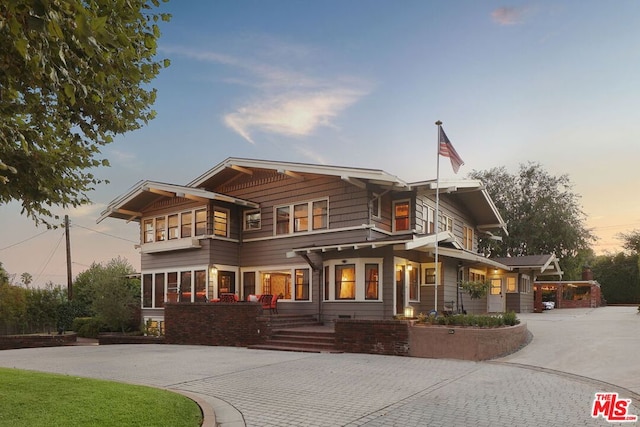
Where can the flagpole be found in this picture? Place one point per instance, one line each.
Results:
(437, 214)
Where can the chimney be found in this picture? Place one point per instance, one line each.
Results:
(587, 274)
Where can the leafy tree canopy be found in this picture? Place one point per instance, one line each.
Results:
(73, 74)
(542, 213)
(631, 241)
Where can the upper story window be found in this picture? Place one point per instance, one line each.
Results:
(182, 225)
(375, 206)
(429, 214)
(467, 238)
(447, 223)
(201, 222)
(252, 220)
(307, 216)
(221, 222)
(401, 217)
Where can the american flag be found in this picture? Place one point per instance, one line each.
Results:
(446, 149)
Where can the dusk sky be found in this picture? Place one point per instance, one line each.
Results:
(361, 83)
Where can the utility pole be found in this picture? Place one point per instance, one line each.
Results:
(69, 279)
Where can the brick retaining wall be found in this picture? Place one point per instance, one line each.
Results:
(390, 337)
(226, 324)
(8, 342)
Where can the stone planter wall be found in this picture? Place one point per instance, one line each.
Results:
(457, 342)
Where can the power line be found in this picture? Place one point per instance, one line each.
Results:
(50, 256)
(25, 240)
(106, 234)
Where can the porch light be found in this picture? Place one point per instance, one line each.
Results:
(408, 311)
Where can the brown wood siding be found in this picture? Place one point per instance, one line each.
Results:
(274, 251)
(223, 252)
(177, 259)
(348, 204)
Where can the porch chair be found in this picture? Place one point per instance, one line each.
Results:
(447, 309)
(228, 298)
(274, 305)
(265, 300)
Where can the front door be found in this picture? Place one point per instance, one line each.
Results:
(495, 298)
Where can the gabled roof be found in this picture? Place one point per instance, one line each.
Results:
(231, 167)
(144, 193)
(473, 196)
(546, 265)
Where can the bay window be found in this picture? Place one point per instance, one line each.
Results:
(345, 281)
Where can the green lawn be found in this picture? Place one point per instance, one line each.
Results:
(37, 399)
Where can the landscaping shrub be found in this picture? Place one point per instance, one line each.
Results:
(87, 327)
(475, 320)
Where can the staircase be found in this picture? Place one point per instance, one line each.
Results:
(299, 333)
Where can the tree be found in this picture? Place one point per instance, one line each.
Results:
(73, 74)
(619, 277)
(543, 216)
(110, 291)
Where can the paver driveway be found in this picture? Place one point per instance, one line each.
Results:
(272, 388)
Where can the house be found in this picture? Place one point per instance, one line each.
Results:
(333, 242)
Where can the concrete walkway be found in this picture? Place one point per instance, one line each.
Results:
(551, 382)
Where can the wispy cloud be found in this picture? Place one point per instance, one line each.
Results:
(284, 101)
(508, 15)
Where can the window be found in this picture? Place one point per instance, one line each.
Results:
(320, 217)
(158, 290)
(186, 287)
(371, 284)
(401, 218)
(353, 280)
(525, 284)
(429, 270)
(180, 225)
(302, 284)
(496, 287)
(148, 231)
(306, 217)
(429, 222)
(345, 281)
(375, 206)
(172, 286)
(173, 227)
(326, 282)
(249, 283)
(160, 229)
(147, 290)
(301, 217)
(201, 222)
(477, 275)
(447, 223)
(252, 220)
(201, 285)
(185, 224)
(154, 293)
(277, 283)
(467, 238)
(512, 284)
(282, 220)
(220, 222)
